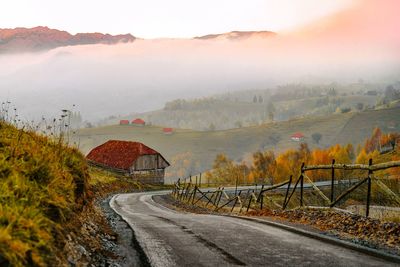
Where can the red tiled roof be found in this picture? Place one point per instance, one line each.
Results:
(297, 135)
(167, 130)
(138, 121)
(119, 154)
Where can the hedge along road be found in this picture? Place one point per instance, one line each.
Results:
(171, 238)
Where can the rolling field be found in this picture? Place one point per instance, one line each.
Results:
(361, 125)
(205, 145)
(239, 143)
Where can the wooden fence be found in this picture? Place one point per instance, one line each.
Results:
(220, 198)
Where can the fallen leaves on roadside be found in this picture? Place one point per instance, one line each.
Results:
(350, 226)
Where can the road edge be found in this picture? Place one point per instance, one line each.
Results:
(144, 259)
(325, 238)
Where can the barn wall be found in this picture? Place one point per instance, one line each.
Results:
(149, 162)
(149, 177)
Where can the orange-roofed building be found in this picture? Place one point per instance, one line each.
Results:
(138, 122)
(297, 137)
(168, 130)
(134, 159)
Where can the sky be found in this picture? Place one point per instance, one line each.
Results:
(161, 18)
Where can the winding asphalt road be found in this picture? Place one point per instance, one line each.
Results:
(171, 238)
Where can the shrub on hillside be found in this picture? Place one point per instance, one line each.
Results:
(42, 182)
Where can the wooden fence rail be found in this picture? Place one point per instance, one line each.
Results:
(187, 191)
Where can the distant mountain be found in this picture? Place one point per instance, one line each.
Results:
(237, 35)
(43, 38)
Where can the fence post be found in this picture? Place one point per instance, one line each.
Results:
(219, 198)
(332, 181)
(200, 180)
(301, 184)
(369, 188)
(261, 201)
(259, 195)
(248, 206)
(183, 190)
(287, 191)
(236, 184)
(194, 194)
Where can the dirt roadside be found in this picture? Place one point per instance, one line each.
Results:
(97, 236)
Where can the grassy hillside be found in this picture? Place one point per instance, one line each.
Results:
(360, 126)
(253, 107)
(42, 183)
(201, 147)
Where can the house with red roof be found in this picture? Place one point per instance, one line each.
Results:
(124, 122)
(134, 159)
(297, 137)
(168, 130)
(138, 122)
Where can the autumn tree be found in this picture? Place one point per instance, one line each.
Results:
(373, 143)
(264, 165)
(223, 169)
(182, 165)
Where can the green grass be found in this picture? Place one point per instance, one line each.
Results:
(42, 182)
(240, 143)
(237, 143)
(361, 125)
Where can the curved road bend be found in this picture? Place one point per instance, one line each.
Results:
(170, 238)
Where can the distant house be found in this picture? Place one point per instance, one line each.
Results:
(168, 130)
(123, 122)
(138, 122)
(297, 137)
(134, 159)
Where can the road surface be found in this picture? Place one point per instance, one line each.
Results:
(171, 238)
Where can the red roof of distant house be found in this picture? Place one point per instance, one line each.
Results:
(168, 130)
(138, 121)
(123, 122)
(297, 135)
(119, 154)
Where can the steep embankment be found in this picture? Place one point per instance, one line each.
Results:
(42, 184)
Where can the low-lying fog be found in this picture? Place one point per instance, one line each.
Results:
(102, 80)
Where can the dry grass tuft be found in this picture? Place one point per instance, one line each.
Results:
(42, 182)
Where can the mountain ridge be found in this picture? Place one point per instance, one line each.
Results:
(237, 35)
(43, 38)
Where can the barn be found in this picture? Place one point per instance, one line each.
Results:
(123, 122)
(134, 159)
(168, 131)
(138, 122)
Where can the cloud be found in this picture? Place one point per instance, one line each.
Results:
(103, 80)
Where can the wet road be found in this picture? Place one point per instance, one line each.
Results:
(171, 238)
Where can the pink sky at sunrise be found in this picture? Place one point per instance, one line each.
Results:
(173, 18)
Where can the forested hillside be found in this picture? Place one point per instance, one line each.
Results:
(254, 107)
